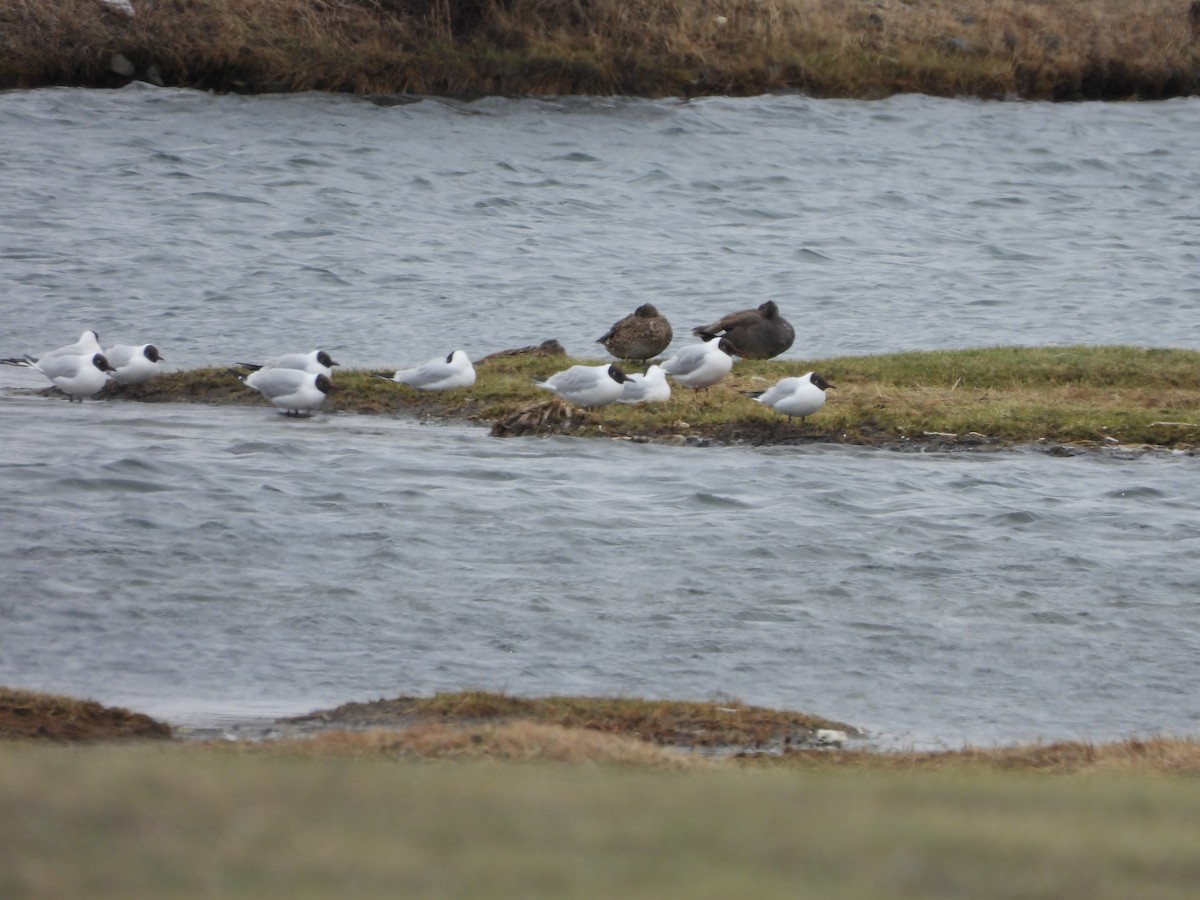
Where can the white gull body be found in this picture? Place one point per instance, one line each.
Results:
(651, 387)
(438, 374)
(587, 386)
(797, 397)
(317, 362)
(700, 365)
(77, 376)
(133, 364)
(292, 390)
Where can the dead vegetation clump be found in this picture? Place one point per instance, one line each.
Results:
(504, 741)
(1093, 49)
(35, 716)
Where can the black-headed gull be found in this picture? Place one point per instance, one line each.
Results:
(318, 362)
(651, 387)
(438, 374)
(88, 343)
(797, 397)
(78, 376)
(292, 390)
(642, 334)
(587, 386)
(133, 364)
(753, 333)
(700, 365)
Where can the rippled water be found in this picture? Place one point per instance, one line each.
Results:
(197, 562)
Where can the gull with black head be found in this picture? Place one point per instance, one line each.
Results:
(587, 386)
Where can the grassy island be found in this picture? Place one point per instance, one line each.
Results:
(1034, 49)
(1064, 397)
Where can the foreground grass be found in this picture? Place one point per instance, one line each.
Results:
(187, 821)
(1089, 396)
(484, 795)
(1071, 49)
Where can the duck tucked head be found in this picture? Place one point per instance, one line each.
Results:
(726, 346)
(646, 311)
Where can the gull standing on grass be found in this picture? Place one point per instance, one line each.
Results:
(794, 397)
(294, 391)
(438, 374)
(77, 376)
(587, 386)
(701, 365)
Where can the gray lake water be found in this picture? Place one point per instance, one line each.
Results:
(209, 564)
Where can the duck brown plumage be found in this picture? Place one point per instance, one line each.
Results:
(642, 334)
(759, 333)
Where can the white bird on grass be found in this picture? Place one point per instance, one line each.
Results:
(77, 376)
(438, 374)
(701, 365)
(587, 386)
(133, 364)
(292, 390)
(651, 387)
(794, 397)
(318, 362)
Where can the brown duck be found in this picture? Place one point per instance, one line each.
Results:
(642, 334)
(755, 333)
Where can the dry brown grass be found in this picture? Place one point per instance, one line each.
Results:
(678, 723)
(37, 716)
(509, 741)
(1060, 49)
(660, 735)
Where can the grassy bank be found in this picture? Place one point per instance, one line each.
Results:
(180, 821)
(1067, 50)
(477, 794)
(1077, 396)
(483, 795)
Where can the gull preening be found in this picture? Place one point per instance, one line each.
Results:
(293, 390)
(318, 362)
(753, 333)
(133, 364)
(650, 387)
(642, 334)
(438, 374)
(796, 397)
(701, 365)
(587, 386)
